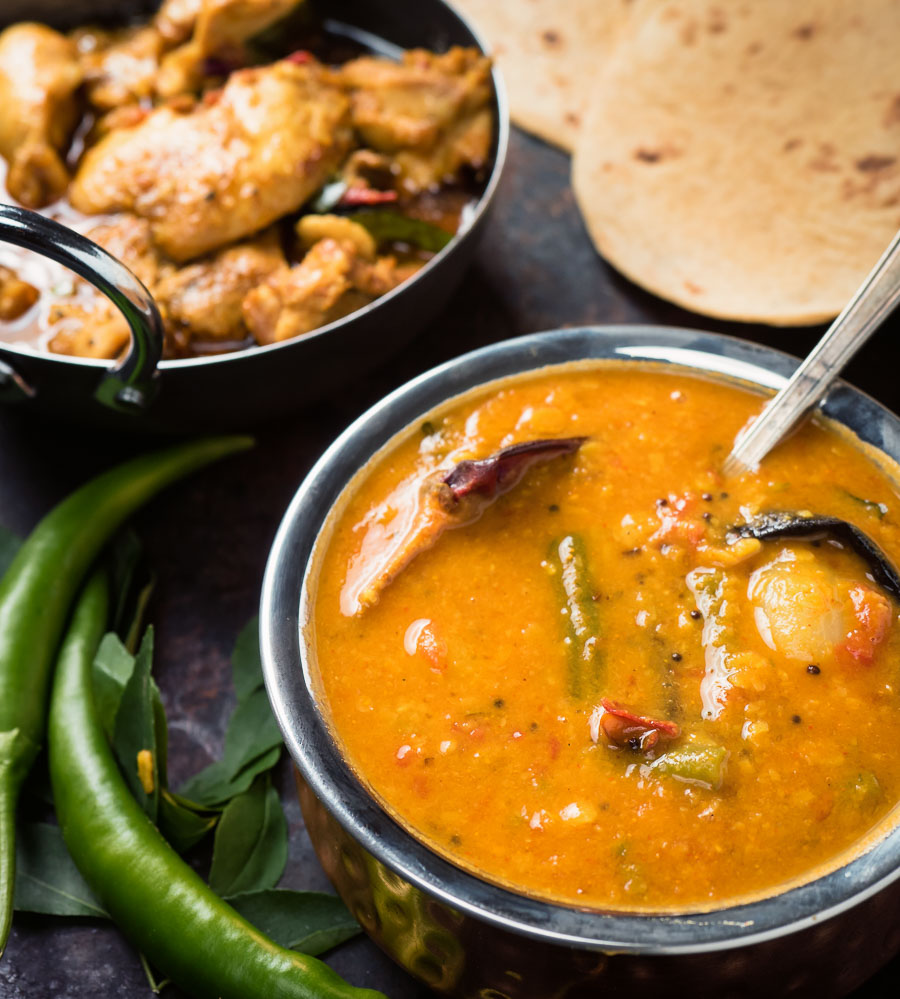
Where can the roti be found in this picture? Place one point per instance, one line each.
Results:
(743, 160)
(548, 51)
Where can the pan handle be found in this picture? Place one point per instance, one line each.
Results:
(131, 385)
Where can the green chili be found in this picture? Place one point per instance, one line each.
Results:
(176, 920)
(569, 560)
(35, 597)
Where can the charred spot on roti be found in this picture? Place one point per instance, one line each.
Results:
(656, 155)
(573, 118)
(717, 23)
(804, 31)
(792, 144)
(689, 33)
(551, 38)
(892, 115)
(754, 48)
(874, 162)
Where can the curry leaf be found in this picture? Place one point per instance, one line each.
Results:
(9, 544)
(160, 735)
(124, 556)
(134, 733)
(246, 667)
(182, 822)
(880, 510)
(251, 731)
(308, 921)
(252, 734)
(136, 610)
(387, 226)
(47, 880)
(216, 785)
(113, 666)
(250, 846)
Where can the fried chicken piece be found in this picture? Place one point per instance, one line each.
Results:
(175, 20)
(333, 280)
(222, 27)
(430, 111)
(16, 296)
(205, 297)
(467, 142)
(123, 70)
(92, 326)
(39, 75)
(239, 160)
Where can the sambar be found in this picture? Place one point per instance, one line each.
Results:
(726, 733)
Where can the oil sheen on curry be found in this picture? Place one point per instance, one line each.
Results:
(572, 657)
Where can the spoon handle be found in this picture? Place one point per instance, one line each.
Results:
(863, 314)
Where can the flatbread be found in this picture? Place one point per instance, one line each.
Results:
(548, 52)
(743, 160)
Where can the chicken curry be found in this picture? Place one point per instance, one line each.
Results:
(566, 652)
(257, 197)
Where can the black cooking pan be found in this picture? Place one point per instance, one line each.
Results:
(230, 391)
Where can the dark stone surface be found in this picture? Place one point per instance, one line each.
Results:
(208, 538)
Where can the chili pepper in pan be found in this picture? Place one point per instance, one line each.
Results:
(582, 631)
(35, 598)
(158, 901)
(359, 194)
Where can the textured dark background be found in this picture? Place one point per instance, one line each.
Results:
(208, 538)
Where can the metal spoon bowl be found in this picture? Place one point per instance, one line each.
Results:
(865, 312)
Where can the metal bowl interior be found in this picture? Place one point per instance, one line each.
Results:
(229, 391)
(287, 667)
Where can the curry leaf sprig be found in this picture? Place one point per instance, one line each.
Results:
(250, 849)
(181, 926)
(37, 591)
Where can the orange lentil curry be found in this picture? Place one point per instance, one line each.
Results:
(577, 669)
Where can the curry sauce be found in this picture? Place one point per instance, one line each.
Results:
(597, 692)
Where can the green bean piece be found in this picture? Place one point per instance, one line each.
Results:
(36, 594)
(176, 920)
(862, 792)
(585, 656)
(694, 763)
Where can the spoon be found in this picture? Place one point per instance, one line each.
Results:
(864, 313)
